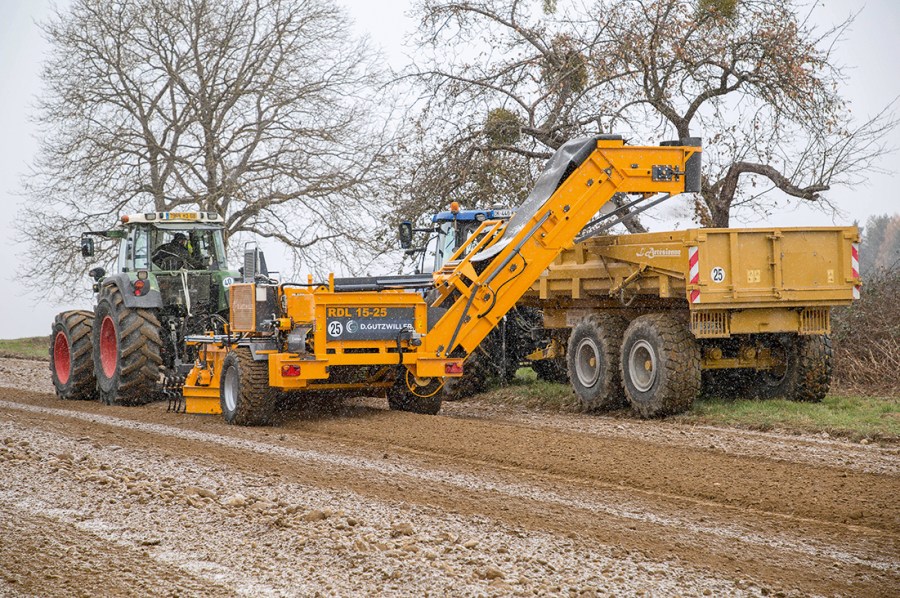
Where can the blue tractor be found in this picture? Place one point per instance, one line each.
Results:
(521, 331)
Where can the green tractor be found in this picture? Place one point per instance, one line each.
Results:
(170, 280)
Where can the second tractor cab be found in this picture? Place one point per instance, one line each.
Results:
(169, 280)
(451, 228)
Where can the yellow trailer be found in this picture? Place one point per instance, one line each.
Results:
(756, 304)
(379, 333)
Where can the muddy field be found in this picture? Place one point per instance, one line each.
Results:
(359, 500)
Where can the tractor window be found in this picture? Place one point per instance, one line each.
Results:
(124, 252)
(187, 249)
(140, 249)
(207, 248)
(445, 245)
(463, 233)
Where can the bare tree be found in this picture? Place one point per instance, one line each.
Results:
(752, 76)
(503, 86)
(761, 83)
(260, 110)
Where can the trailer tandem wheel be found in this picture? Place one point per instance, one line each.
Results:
(806, 373)
(660, 365)
(592, 357)
(244, 392)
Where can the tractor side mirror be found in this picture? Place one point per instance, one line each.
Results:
(97, 273)
(87, 247)
(406, 234)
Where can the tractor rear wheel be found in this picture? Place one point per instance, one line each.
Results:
(805, 372)
(127, 351)
(415, 395)
(71, 356)
(244, 392)
(660, 365)
(593, 361)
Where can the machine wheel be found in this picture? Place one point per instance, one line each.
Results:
(415, 395)
(244, 392)
(127, 351)
(660, 365)
(806, 374)
(592, 357)
(475, 378)
(71, 356)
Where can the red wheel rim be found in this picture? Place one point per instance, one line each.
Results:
(109, 347)
(62, 359)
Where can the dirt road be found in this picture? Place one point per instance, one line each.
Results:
(358, 500)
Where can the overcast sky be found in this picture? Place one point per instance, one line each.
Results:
(870, 52)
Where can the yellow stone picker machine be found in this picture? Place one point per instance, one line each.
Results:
(403, 335)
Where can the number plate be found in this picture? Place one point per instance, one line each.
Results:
(367, 323)
(182, 216)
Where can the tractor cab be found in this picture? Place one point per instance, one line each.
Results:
(167, 246)
(451, 229)
(170, 260)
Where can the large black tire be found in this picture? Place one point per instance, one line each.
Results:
(71, 356)
(660, 365)
(488, 365)
(244, 392)
(806, 374)
(475, 378)
(127, 351)
(401, 398)
(592, 359)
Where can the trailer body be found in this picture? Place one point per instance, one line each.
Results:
(730, 281)
(757, 303)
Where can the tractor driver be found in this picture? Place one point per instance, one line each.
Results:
(175, 254)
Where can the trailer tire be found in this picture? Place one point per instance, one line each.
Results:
(806, 375)
(127, 351)
(660, 365)
(401, 398)
(72, 356)
(244, 392)
(592, 359)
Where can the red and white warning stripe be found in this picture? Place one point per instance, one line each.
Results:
(694, 261)
(854, 267)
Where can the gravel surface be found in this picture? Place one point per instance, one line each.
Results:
(358, 500)
(27, 374)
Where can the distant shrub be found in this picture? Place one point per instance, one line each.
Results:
(867, 337)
